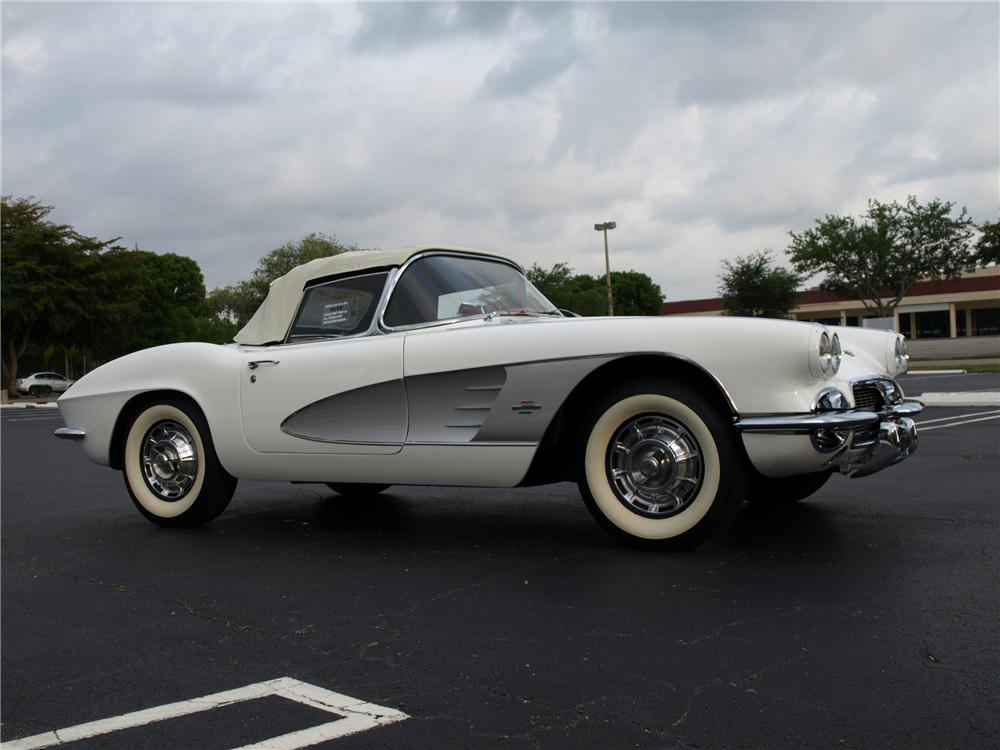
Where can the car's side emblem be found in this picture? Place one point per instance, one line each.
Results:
(525, 407)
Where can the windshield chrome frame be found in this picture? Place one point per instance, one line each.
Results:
(391, 287)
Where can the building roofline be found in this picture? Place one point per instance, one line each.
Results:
(978, 282)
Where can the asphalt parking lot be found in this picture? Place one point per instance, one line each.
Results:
(868, 616)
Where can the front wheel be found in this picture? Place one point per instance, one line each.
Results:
(171, 470)
(660, 465)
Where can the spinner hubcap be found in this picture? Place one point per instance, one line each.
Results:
(655, 466)
(169, 460)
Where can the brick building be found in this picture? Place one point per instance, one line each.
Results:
(953, 308)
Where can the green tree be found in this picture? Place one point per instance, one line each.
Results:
(238, 302)
(634, 292)
(752, 288)
(988, 246)
(58, 285)
(566, 290)
(885, 251)
(553, 283)
(172, 304)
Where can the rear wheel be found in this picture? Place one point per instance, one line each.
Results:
(347, 488)
(659, 465)
(785, 490)
(170, 467)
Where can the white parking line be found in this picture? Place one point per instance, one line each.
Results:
(956, 424)
(958, 416)
(982, 397)
(353, 716)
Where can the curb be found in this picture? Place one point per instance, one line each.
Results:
(937, 372)
(49, 405)
(968, 398)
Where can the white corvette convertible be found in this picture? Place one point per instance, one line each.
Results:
(445, 366)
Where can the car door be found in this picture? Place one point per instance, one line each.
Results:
(340, 396)
(332, 389)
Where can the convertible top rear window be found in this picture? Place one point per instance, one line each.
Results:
(442, 287)
(343, 307)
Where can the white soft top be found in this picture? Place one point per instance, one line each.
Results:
(272, 319)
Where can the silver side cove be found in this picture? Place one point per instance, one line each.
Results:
(373, 414)
(511, 404)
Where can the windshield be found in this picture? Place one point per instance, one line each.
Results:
(443, 287)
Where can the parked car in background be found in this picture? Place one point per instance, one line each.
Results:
(40, 383)
(445, 366)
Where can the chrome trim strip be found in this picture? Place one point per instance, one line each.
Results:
(907, 408)
(493, 444)
(70, 433)
(804, 423)
(831, 420)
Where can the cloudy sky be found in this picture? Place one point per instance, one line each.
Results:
(706, 130)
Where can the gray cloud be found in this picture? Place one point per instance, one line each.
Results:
(388, 28)
(704, 129)
(534, 65)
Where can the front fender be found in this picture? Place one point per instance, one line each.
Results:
(206, 373)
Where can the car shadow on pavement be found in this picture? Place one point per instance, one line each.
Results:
(783, 528)
(415, 517)
(458, 519)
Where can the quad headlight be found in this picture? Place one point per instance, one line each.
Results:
(825, 354)
(898, 356)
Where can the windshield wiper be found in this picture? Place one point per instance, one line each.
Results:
(524, 313)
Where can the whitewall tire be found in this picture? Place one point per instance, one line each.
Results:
(659, 464)
(170, 467)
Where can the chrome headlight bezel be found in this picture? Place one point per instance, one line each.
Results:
(836, 353)
(897, 355)
(825, 353)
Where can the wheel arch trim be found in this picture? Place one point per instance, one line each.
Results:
(132, 407)
(557, 444)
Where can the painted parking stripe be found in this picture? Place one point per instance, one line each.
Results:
(958, 416)
(979, 397)
(956, 424)
(353, 716)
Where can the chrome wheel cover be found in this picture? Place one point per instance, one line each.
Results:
(654, 466)
(169, 460)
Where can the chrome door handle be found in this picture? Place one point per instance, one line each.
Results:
(254, 364)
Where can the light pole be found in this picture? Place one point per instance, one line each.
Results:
(607, 263)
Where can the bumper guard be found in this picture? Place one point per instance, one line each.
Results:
(850, 436)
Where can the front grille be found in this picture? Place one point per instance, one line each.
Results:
(868, 397)
(875, 395)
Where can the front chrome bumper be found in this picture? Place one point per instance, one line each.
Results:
(857, 442)
(70, 433)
